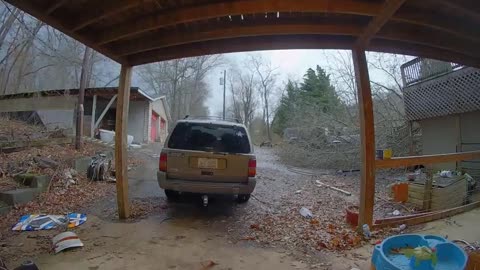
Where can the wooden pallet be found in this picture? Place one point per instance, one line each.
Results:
(448, 196)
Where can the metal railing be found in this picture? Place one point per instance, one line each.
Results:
(421, 69)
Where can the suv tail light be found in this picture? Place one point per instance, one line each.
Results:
(252, 167)
(162, 164)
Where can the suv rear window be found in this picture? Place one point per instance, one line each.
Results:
(209, 137)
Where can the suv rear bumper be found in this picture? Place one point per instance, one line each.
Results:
(205, 187)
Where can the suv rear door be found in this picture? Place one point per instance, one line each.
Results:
(203, 151)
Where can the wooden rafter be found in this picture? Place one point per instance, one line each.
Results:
(230, 8)
(455, 7)
(428, 37)
(55, 6)
(172, 39)
(422, 17)
(168, 39)
(242, 45)
(398, 47)
(102, 10)
(388, 9)
(297, 42)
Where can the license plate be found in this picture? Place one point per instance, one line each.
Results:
(208, 163)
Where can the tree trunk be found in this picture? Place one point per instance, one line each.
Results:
(5, 28)
(81, 98)
(268, 117)
(26, 50)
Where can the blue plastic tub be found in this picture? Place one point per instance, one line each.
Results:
(449, 255)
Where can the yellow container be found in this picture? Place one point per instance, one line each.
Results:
(387, 153)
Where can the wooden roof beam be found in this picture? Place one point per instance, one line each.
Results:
(400, 32)
(455, 7)
(55, 6)
(148, 43)
(230, 8)
(297, 42)
(428, 37)
(421, 17)
(389, 8)
(102, 10)
(242, 45)
(399, 47)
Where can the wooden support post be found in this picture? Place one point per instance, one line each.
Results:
(411, 141)
(92, 121)
(367, 135)
(121, 142)
(458, 128)
(427, 191)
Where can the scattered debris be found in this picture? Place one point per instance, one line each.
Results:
(305, 213)
(44, 162)
(468, 247)
(366, 231)
(208, 265)
(320, 184)
(99, 169)
(66, 240)
(26, 265)
(446, 174)
(69, 177)
(47, 222)
(135, 146)
(248, 238)
(298, 265)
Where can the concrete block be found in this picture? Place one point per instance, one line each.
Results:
(34, 181)
(4, 208)
(18, 196)
(25, 179)
(81, 164)
(40, 182)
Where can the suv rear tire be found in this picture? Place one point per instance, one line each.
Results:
(243, 198)
(172, 195)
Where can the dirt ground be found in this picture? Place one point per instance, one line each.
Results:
(266, 233)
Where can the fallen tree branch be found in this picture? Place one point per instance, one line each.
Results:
(320, 184)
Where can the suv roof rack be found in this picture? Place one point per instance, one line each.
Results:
(213, 118)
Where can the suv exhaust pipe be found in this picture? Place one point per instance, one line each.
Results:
(205, 200)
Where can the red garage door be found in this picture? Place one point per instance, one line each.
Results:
(153, 132)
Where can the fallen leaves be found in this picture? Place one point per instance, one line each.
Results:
(255, 227)
(248, 238)
(208, 265)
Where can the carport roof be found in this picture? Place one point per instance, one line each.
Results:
(134, 32)
(106, 92)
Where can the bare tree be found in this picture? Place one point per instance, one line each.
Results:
(266, 75)
(182, 82)
(244, 89)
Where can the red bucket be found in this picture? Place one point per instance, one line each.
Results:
(352, 215)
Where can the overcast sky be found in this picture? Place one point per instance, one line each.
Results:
(291, 64)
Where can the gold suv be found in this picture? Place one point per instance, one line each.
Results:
(208, 157)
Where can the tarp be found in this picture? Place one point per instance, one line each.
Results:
(38, 222)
